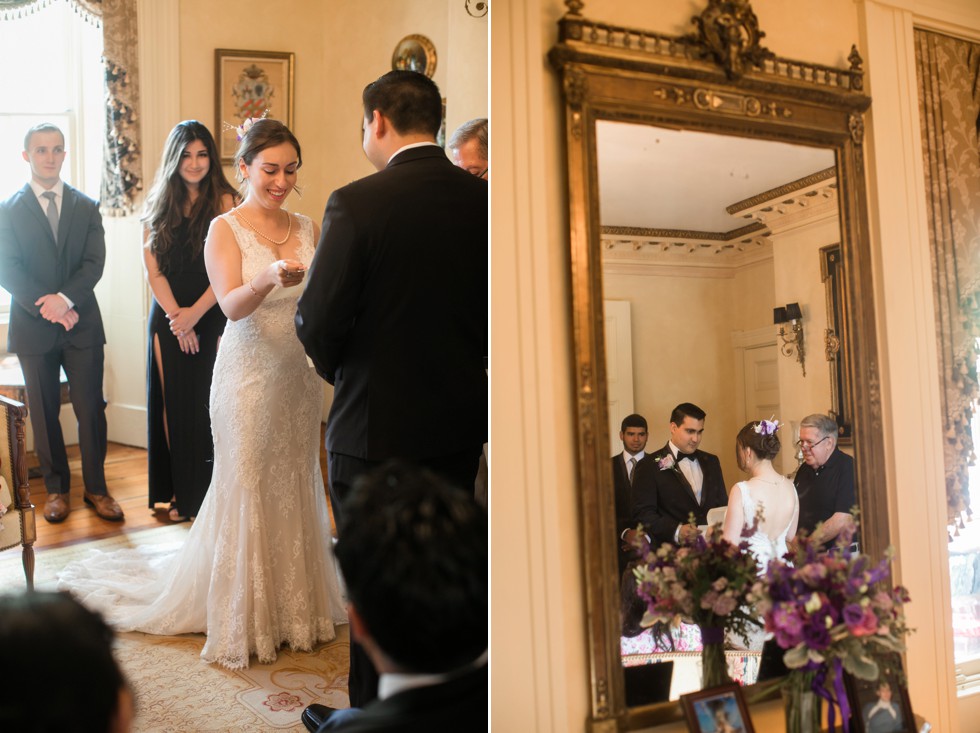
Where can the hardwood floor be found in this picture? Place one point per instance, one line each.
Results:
(125, 469)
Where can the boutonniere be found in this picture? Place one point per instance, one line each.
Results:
(666, 461)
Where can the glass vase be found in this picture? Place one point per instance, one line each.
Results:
(801, 703)
(714, 666)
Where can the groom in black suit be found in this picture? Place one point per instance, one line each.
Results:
(395, 309)
(677, 481)
(52, 251)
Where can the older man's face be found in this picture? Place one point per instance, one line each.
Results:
(467, 156)
(816, 446)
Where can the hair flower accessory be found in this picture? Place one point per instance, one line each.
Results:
(246, 125)
(767, 427)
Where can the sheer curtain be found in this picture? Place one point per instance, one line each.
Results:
(948, 71)
(121, 176)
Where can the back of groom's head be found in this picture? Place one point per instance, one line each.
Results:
(411, 101)
(413, 551)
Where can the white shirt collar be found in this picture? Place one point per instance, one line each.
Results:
(627, 455)
(410, 146)
(391, 683)
(38, 189)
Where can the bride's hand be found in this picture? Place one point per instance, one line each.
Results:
(289, 273)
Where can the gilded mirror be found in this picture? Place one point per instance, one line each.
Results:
(719, 89)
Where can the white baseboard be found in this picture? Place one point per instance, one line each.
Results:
(127, 424)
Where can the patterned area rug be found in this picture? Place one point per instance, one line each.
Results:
(176, 692)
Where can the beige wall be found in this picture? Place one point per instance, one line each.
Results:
(540, 670)
(340, 46)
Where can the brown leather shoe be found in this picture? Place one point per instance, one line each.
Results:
(105, 506)
(56, 508)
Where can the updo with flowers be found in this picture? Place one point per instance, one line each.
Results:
(257, 134)
(761, 436)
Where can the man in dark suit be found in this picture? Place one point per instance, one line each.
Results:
(413, 552)
(52, 251)
(395, 310)
(633, 433)
(677, 481)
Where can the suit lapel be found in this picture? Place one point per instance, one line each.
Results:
(681, 478)
(64, 222)
(30, 202)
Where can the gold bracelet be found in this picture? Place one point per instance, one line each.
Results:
(254, 291)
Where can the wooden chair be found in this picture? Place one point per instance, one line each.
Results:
(19, 526)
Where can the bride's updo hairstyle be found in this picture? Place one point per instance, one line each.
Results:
(261, 134)
(761, 438)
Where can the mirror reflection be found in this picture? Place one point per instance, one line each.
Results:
(717, 293)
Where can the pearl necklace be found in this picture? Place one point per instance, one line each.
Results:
(289, 227)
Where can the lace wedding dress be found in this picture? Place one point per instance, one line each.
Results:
(764, 548)
(256, 570)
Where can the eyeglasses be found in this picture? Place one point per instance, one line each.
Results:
(807, 445)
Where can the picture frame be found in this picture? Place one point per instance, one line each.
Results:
(415, 52)
(720, 709)
(875, 710)
(835, 346)
(250, 84)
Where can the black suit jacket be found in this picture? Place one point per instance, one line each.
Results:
(663, 498)
(32, 264)
(623, 491)
(457, 705)
(394, 314)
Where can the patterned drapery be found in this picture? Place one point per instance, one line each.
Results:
(122, 164)
(948, 71)
(122, 179)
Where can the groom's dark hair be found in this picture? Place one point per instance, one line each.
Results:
(686, 409)
(410, 100)
(413, 551)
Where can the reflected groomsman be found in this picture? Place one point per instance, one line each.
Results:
(633, 433)
(677, 481)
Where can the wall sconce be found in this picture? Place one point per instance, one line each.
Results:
(793, 339)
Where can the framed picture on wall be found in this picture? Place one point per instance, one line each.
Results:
(249, 84)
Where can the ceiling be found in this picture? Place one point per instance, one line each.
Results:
(657, 178)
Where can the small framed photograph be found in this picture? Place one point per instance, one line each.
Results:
(720, 709)
(249, 84)
(882, 705)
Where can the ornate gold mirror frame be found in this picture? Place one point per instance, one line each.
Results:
(721, 80)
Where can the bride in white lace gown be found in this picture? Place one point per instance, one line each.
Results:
(767, 496)
(257, 569)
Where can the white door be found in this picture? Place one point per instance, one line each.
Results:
(619, 368)
(761, 390)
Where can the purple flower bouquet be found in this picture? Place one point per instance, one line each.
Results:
(831, 613)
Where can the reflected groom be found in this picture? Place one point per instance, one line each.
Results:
(676, 481)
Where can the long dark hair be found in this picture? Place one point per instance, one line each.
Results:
(167, 200)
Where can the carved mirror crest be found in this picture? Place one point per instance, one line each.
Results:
(636, 98)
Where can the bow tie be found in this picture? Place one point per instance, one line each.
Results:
(688, 456)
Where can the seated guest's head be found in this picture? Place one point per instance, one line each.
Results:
(413, 551)
(61, 675)
(470, 147)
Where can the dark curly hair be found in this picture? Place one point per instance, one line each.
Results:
(764, 446)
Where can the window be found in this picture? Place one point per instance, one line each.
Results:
(64, 86)
(964, 573)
